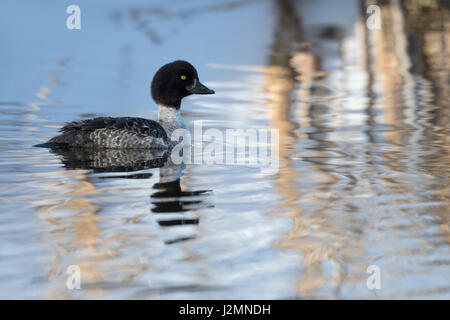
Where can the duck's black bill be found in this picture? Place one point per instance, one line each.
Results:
(200, 88)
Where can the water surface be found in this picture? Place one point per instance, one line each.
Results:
(363, 119)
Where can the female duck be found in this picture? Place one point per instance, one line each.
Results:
(171, 83)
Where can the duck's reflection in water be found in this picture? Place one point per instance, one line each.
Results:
(168, 197)
(112, 160)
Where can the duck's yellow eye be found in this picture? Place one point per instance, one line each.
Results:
(183, 77)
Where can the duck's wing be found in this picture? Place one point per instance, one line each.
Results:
(108, 132)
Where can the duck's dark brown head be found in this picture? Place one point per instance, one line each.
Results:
(174, 81)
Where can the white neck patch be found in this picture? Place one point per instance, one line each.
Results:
(170, 119)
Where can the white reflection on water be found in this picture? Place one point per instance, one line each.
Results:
(364, 153)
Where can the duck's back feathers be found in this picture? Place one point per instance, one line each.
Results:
(112, 133)
(137, 125)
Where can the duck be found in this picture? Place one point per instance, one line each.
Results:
(170, 84)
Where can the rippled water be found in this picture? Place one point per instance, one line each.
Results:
(363, 119)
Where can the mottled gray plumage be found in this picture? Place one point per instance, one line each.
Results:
(113, 133)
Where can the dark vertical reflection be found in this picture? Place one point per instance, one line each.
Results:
(170, 198)
(173, 204)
